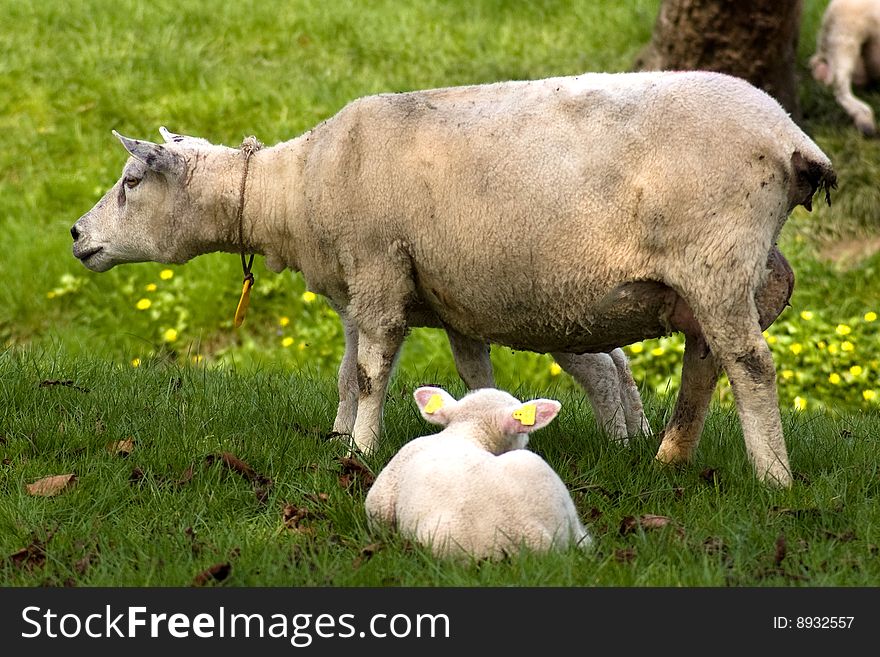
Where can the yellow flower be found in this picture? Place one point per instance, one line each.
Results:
(843, 329)
(847, 346)
(135, 362)
(166, 274)
(657, 351)
(198, 358)
(806, 315)
(771, 339)
(869, 395)
(308, 296)
(796, 348)
(870, 316)
(50, 294)
(283, 321)
(800, 404)
(787, 374)
(834, 378)
(832, 348)
(170, 335)
(555, 369)
(150, 287)
(855, 370)
(286, 342)
(301, 346)
(821, 344)
(637, 348)
(143, 304)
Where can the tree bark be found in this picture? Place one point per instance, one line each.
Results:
(752, 39)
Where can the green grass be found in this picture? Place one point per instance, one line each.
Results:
(72, 71)
(167, 512)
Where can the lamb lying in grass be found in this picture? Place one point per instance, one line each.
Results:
(471, 490)
(847, 53)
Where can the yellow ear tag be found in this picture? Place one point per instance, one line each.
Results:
(244, 301)
(435, 403)
(525, 414)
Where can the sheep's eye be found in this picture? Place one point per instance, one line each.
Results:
(131, 182)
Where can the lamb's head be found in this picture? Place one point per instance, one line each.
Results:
(164, 207)
(498, 421)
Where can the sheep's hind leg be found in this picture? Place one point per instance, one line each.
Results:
(471, 360)
(597, 375)
(633, 410)
(733, 333)
(699, 375)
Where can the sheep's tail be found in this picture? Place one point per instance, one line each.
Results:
(810, 172)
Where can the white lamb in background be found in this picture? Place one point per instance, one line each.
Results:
(472, 490)
(847, 53)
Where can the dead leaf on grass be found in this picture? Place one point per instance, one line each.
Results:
(625, 555)
(121, 447)
(293, 517)
(52, 485)
(646, 522)
(366, 554)
(354, 471)
(186, 476)
(136, 475)
(780, 550)
(218, 572)
(33, 556)
(235, 464)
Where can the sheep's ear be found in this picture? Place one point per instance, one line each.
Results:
(155, 156)
(171, 137)
(532, 415)
(436, 405)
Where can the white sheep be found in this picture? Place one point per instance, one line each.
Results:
(568, 215)
(848, 53)
(472, 490)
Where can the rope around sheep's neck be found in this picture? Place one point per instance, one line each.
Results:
(249, 146)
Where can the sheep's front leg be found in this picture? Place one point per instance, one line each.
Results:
(597, 375)
(699, 375)
(348, 386)
(471, 360)
(375, 362)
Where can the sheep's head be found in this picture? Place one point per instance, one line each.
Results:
(154, 211)
(498, 421)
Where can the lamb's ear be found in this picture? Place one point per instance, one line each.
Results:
(532, 415)
(155, 156)
(436, 405)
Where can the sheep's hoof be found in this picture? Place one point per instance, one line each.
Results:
(777, 476)
(867, 128)
(673, 453)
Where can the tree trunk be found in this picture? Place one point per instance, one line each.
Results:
(752, 39)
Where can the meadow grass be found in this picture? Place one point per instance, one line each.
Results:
(171, 508)
(72, 71)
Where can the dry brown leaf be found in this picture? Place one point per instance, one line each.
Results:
(625, 555)
(780, 550)
(294, 515)
(48, 486)
(630, 524)
(218, 572)
(235, 464)
(366, 554)
(186, 476)
(353, 471)
(122, 447)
